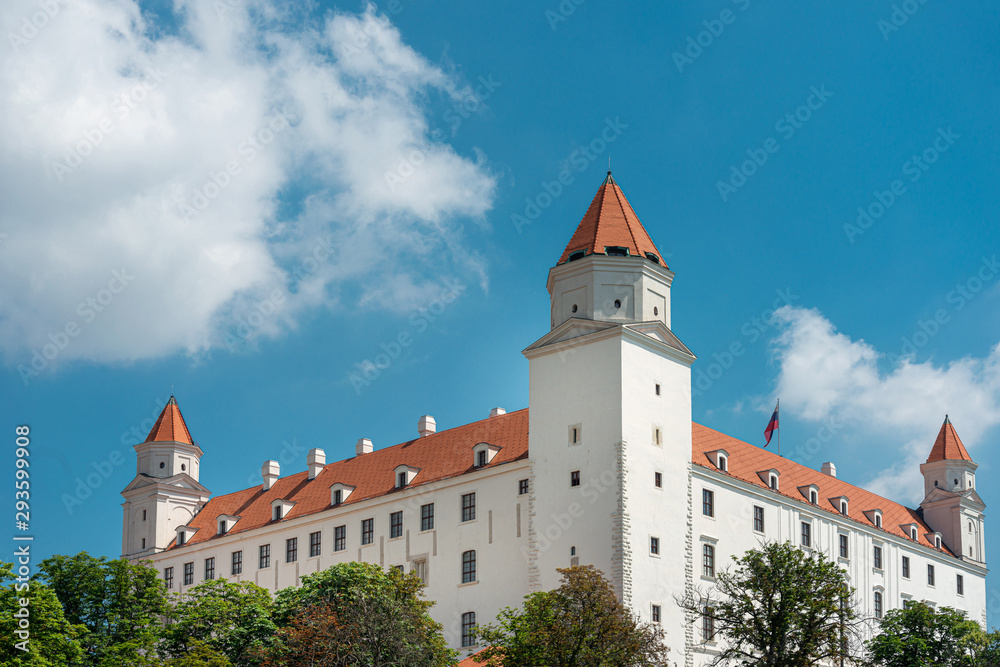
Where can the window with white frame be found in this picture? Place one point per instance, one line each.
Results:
(806, 534)
(878, 604)
(773, 481)
(877, 557)
(906, 567)
(844, 546)
(723, 463)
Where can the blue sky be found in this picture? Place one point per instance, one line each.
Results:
(209, 156)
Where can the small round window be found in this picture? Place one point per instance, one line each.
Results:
(162, 464)
(574, 307)
(618, 303)
(656, 311)
(183, 467)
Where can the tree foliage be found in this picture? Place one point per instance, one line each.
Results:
(918, 635)
(52, 641)
(780, 607)
(359, 614)
(580, 624)
(231, 618)
(119, 603)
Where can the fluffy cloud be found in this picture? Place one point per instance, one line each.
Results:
(824, 374)
(168, 186)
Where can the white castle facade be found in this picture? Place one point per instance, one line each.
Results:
(605, 468)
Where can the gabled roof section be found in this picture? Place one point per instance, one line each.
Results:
(170, 426)
(439, 456)
(611, 222)
(745, 460)
(948, 446)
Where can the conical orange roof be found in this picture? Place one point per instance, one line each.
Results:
(948, 446)
(610, 222)
(170, 426)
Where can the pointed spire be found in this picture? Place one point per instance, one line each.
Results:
(170, 426)
(948, 445)
(611, 222)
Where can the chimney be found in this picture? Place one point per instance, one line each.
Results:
(316, 460)
(270, 472)
(426, 426)
(364, 446)
(829, 469)
(496, 412)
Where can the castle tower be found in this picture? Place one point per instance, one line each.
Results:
(610, 420)
(165, 493)
(951, 505)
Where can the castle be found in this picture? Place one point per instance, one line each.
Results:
(604, 468)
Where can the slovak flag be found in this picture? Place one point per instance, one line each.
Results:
(772, 425)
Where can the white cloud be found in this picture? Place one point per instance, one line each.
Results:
(234, 159)
(824, 374)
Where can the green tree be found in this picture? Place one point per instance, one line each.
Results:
(52, 641)
(580, 624)
(233, 618)
(780, 606)
(918, 635)
(199, 654)
(120, 604)
(367, 616)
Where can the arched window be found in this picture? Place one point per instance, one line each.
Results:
(723, 466)
(773, 482)
(814, 498)
(843, 507)
(878, 604)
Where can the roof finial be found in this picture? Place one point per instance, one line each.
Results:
(609, 163)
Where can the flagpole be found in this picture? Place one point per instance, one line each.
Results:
(777, 408)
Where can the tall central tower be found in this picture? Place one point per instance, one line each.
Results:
(610, 420)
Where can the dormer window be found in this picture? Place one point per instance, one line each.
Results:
(483, 454)
(225, 523)
(615, 251)
(339, 493)
(811, 493)
(913, 533)
(579, 254)
(405, 475)
(878, 520)
(769, 477)
(723, 466)
(276, 513)
(814, 498)
(773, 481)
(844, 509)
(937, 541)
(653, 258)
(720, 458)
(180, 538)
(875, 516)
(280, 508)
(222, 527)
(184, 534)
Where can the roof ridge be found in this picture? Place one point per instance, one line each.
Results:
(628, 224)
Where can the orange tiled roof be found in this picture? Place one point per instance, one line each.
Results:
(745, 461)
(948, 446)
(610, 221)
(170, 426)
(438, 457)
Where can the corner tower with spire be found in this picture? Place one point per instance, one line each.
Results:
(165, 493)
(610, 421)
(951, 505)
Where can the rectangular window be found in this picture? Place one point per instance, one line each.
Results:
(427, 516)
(338, 497)
(656, 613)
(481, 461)
(930, 575)
(420, 569)
(291, 550)
(265, 556)
(758, 518)
(806, 534)
(522, 487)
(844, 551)
(657, 390)
(654, 546)
(960, 584)
(708, 560)
(574, 478)
(237, 565)
(168, 577)
(468, 628)
(656, 436)
(367, 531)
(468, 506)
(277, 512)
(401, 479)
(340, 538)
(468, 567)
(707, 502)
(658, 480)
(315, 543)
(188, 574)
(906, 567)
(209, 569)
(396, 524)
(878, 604)
(708, 624)
(877, 558)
